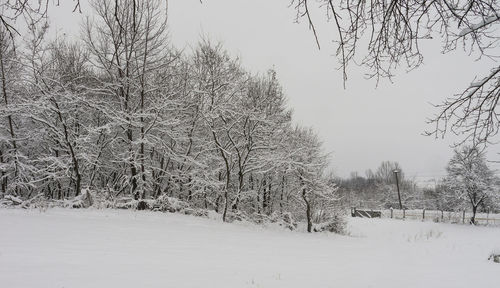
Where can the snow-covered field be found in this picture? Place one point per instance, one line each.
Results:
(109, 248)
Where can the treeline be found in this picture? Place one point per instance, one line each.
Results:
(378, 189)
(469, 185)
(121, 111)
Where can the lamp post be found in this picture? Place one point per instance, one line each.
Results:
(397, 185)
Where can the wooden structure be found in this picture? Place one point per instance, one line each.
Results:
(365, 213)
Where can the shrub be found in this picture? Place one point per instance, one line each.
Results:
(335, 224)
(169, 204)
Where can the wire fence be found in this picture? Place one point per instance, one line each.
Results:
(429, 215)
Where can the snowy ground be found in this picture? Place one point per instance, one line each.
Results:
(109, 248)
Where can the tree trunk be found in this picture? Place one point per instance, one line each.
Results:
(190, 191)
(282, 194)
(240, 188)
(226, 192)
(133, 169)
(269, 198)
(228, 175)
(205, 201)
(217, 203)
(473, 218)
(74, 159)
(4, 179)
(264, 195)
(308, 210)
(9, 117)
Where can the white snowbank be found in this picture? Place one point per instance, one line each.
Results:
(110, 248)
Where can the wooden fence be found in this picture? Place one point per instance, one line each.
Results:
(365, 213)
(429, 215)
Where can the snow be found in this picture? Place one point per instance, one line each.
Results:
(111, 248)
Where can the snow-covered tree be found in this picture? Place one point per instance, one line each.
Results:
(9, 152)
(469, 178)
(307, 164)
(128, 44)
(221, 83)
(123, 113)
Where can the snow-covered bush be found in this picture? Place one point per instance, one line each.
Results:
(284, 219)
(195, 212)
(125, 203)
(495, 256)
(35, 202)
(131, 203)
(10, 200)
(336, 224)
(258, 218)
(169, 204)
(84, 200)
(288, 221)
(103, 199)
(232, 216)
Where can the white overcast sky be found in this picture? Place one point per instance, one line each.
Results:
(362, 125)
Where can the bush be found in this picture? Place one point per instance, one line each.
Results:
(125, 203)
(10, 200)
(284, 220)
(195, 212)
(142, 205)
(84, 200)
(236, 216)
(38, 201)
(169, 204)
(495, 256)
(259, 218)
(335, 224)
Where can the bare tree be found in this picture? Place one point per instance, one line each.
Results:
(472, 114)
(32, 12)
(385, 172)
(222, 84)
(393, 32)
(129, 47)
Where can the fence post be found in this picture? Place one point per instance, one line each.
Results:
(487, 217)
(404, 213)
(423, 214)
(463, 218)
(391, 212)
(442, 216)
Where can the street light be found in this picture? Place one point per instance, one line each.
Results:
(397, 185)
